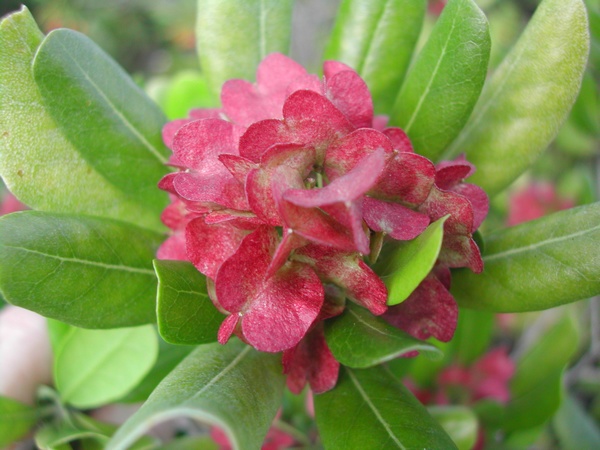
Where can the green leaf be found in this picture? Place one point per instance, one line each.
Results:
(85, 271)
(186, 315)
(16, 419)
(377, 38)
(168, 358)
(192, 443)
(232, 386)
(408, 264)
(39, 163)
(233, 36)
(51, 436)
(473, 335)
(186, 90)
(528, 98)
(574, 427)
(90, 434)
(446, 79)
(536, 385)
(96, 367)
(370, 408)
(536, 265)
(359, 339)
(111, 122)
(459, 422)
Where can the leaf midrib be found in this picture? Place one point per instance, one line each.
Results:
(373, 408)
(537, 245)
(86, 262)
(124, 119)
(433, 76)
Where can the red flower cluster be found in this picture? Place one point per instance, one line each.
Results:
(278, 197)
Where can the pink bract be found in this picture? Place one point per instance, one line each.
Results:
(279, 197)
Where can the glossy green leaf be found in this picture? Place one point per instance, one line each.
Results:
(536, 385)
(446, 79)
(111, 122)
(574, 427)
(38, 162)
(370, 408)
(86, 271)
(359, 339)
(459, 422)
(536, 265)
(96, 367)
(231, 386)
(233, 36)
(529, 96)
(408, 264)
(168, 358)
(186, 315)
(16, 419)
(377, 38)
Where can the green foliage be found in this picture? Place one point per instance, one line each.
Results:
(536, 265)
(82, 431)
(359, 339)
(231, 386)
(86, 271)
(574, 427)
(16, 419)
(528, 97)
(96, 367)
(186, 315)
(370, 408)
(474, 332)
(459, 422)
(536, 385)
(168, 358)
(446, 79)
(39, 162)
(105, 116)
(403, 268)
(233, 37)
(377, 39)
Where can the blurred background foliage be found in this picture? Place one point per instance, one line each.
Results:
(154, 41)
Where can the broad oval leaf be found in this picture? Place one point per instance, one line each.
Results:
(359, 339)
(408, 264)
(110, 121)
(536, 385)
(16, 419)
(233, 36)
(231, 386)
(85, 271)
(96, 367)
(370, 408)
(37, 161)
(186, 315)
(529, 96)
(536, 265)
(377, 38)
(459, 422)
(446, 79)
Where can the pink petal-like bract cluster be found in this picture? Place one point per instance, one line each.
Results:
(280, 195)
